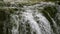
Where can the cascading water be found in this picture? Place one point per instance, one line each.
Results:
(31, 20)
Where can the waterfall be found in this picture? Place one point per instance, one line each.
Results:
(37, 22)
(29, 20)
(40, 18)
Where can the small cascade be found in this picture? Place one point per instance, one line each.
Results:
(39, 18)
(30, 20)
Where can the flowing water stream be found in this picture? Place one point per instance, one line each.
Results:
(33, 20)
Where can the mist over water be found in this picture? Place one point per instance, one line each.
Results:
(40, 18)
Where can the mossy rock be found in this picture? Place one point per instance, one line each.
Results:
(51, 10)
(3, 15)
